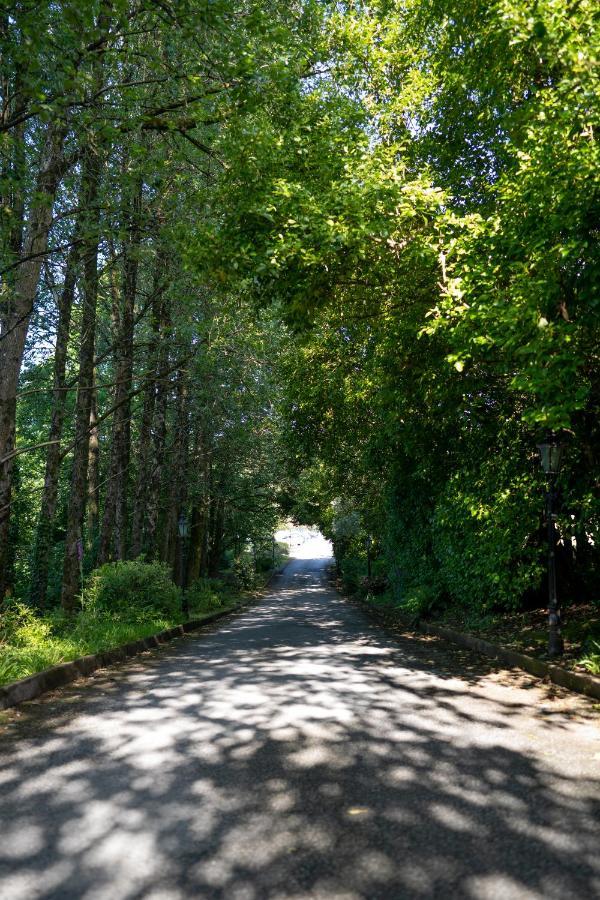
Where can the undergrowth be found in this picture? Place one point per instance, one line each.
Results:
(122, 602)
(591, 661)
(521, 630)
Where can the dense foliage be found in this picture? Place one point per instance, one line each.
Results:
(335, 260)
(135, 392)
(425, 216)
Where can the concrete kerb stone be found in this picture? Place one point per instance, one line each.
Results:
(573, 681)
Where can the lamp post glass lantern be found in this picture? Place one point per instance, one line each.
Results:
(368, 542)
(551, 456)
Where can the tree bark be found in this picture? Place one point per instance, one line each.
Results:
(196, 538)
(180, 482)
(93, 504)
(217, 534)
(144, 450)
(45, 527)
(113, 541)
(159, 436)
(15, 317)
(199, 519)
(78, 495)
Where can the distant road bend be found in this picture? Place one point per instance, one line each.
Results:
(298, 751)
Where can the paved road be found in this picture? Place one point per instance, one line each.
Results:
(296, 751)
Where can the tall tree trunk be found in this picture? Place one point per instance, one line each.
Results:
(114, 523)
(12, 216)
(199, 521)
(93, 504)
(199, 541)
(196, 538)
(217, 534)
(78, 495)
(159, 437)
(45, 527)
(15, 315)
(141, 483)
(208, 516)
(144, 449)
(180, 482)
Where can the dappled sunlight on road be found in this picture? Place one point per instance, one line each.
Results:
(293, 752)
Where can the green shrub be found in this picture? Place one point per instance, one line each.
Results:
(27, 642)
(482, 531)
(132, 590)
(245, 572)
(353, 569)
(206, 595)
(408, 552)
(20, 626)
(264, 562)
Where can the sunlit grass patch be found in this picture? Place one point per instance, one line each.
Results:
(30, 643)
(591, 661)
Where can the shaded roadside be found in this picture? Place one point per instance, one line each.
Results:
(299, 751)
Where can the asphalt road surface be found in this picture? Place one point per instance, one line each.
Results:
(298, 751)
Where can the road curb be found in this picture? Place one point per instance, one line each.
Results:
(573, 681)
(48, 679)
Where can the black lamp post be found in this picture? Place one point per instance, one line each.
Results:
(182, 527)
(368, 542)
(551, 454)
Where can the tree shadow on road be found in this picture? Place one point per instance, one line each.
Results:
(310, 759)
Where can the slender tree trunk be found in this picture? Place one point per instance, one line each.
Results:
(207, 513)
(197, 522)
(144, 450)
(168, 534)
(114, 523)
(93, 504)
(217, 534)
(130, 280)
(16, 314)
(11, 232)
(196, 538)
(159, 436)
(45, 527)
(78, 495)
(141, 483)
(180, 483)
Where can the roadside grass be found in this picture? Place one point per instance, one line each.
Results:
(39, 642)
(31, 641)
(591, 662)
